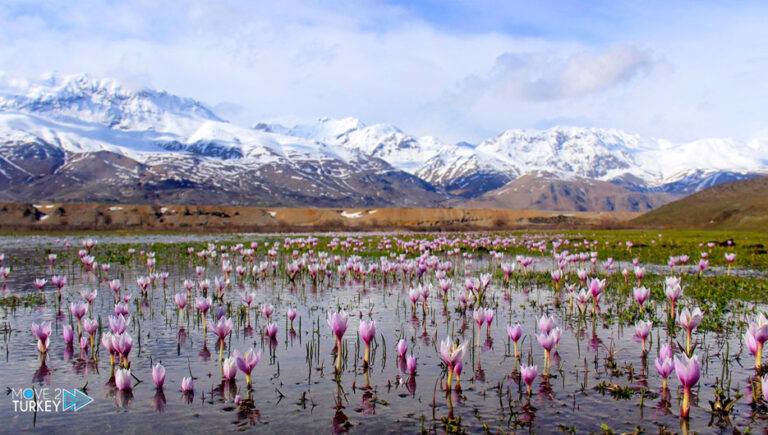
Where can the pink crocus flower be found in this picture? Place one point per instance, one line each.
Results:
(42, 332)
(272, 330)
(229, 368)
(547, 341)
(219, 312)
(158, 375)
(457, 371)
(121, 308)
(758, 329)
(642, 330)
(267, 311)
(664, 363)
(445, 285)
(90, 326)
(107, 341)
(248, 298)
(410, 364)
(546, 323)
(222, 327)
(582, 275)
(338, 323)
(181, 300)
(59, 281)
(123, 343)
(479, 315)
(89, 296)
(115, 286)
(78, 309)
(673, 290)
(42, 345)
(367, 331)
(515, 332)
(291, 313)
(451, 355)
(639, 274)
(489, 314)
(688, 372)
(690, 321)
(123, 379)
(664, 367)
(68, 334)
(529, 373)
(703, 266)
(187, 385)
(413, 295)
(641, 295)
(118, 324)
(557, 276)
(247, 363)
(402, 348)
(730, 257)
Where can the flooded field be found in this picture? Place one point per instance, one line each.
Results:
(273, 332)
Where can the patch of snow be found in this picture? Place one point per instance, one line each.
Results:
(354, 215)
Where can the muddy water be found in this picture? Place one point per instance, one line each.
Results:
(295, 388)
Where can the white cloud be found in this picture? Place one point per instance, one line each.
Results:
(656, 73)
(551, 76)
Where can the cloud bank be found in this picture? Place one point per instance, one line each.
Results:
(457, 70)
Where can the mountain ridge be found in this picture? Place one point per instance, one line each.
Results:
(177, 146)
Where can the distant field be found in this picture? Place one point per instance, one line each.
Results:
(117, 217)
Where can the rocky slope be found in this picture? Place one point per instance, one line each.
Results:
(76, 138)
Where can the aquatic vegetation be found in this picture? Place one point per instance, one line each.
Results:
(440, 306)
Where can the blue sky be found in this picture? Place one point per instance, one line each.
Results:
(458, 70)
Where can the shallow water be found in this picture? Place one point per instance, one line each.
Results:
(292, 394)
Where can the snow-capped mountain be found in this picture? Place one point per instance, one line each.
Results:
(636, 163)
(82, 139)
(383, 141)
(77, 138)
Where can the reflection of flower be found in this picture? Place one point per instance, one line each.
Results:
(367, 405)
(340, 422)
(158, 402)
(488, 344)
(204, 354)
(188, 396)
(42, 375)
(410, 385)
(123, 398)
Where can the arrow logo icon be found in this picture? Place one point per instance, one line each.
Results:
(75, 399)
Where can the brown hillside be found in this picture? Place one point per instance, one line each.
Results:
(542, 191)
(739, 205)
(79, 216)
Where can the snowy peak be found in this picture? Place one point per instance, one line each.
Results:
(585, 152)
(383, 141)
(83, 98)
(82, 114)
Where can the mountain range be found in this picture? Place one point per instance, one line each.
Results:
(80, 139)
